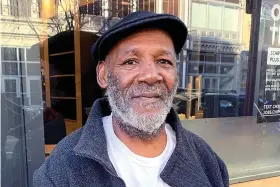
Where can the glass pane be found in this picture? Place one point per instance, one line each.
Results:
(10, 88)
(199, 15)
(210, 58)
(207, 84)
(194, 57)
(233, 1)
(231, 18)
(9, 68)
(33, 55)
(227, 58)
(35, 91)
(22, 144)
(193, 68)
(215, 17)
(226, 83)
(33, 69)
(215, 58)
(211, 68)
(9, 54)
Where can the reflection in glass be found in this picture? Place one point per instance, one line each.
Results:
(148, 5)
(215, 18)
(199, 15)
(21, 117)
(171, 7)
(9, 68)
(215, 73)
(231, 19)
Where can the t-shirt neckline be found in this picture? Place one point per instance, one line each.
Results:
(118, 145)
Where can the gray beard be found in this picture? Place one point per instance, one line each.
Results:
(142, 126)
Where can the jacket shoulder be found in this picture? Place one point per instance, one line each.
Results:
(212, 164)
(53, 172)
(198, 144)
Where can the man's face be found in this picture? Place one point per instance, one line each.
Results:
(141, 81)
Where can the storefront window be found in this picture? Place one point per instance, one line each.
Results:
(228, 77)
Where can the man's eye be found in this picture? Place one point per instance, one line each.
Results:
(165, 62)
(130, 62)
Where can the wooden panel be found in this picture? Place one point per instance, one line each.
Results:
(48, 8)
(198, 89)
(49, 149)
(189, 93)
(65, 75)
(72, 98)
(78, 82)
(47, 73)
(71, 125)
(270, 182)
(64, 53)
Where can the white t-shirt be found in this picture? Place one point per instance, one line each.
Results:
(135, 170)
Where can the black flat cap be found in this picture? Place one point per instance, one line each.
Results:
(133, 23)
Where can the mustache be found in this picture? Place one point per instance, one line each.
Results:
(158, 89)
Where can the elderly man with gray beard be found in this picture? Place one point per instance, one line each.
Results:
(133, 137)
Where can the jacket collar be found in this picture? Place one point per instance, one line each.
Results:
(93, 145)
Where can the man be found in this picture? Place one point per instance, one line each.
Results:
(134, 138)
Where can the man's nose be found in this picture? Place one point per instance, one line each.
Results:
(150, 73)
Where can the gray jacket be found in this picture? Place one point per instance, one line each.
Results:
(81, 159)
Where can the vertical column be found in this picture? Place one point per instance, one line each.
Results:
(198, 93)
(105, 12)
(185, 67)
(5, 11)
(134, 5)
(186, 11)
(189, 97)
(45, 59)
(105, 7)
(34, 9)
(48, 8)
(77, 49)
(1, 108)
(252, 94)
(159, 6)
(46, 12)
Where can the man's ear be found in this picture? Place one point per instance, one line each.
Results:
(101, 73)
